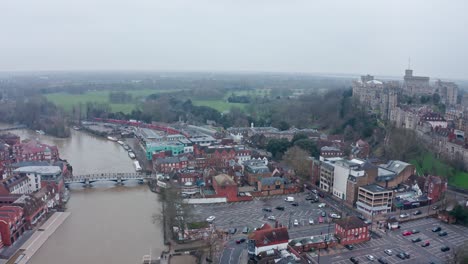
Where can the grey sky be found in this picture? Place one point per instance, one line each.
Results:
(330, 36)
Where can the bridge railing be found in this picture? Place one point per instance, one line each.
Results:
(109, 176)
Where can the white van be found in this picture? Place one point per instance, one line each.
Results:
(321, 205)
(289, 199)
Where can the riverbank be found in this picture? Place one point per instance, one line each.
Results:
(32, 245)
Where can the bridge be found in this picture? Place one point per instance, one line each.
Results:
(119, 178)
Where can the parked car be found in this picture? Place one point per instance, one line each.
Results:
(245, 230)
(240, 240)
(442, 233)
(295, 204)
(232, 231)
(272, 217)
(407, 233)
(404, 215)
(361, 217)
(314, 191)
(417, 239)
(417, 212)
(322, 205)
(281, 208)
(444, 248)
(435, 207)
(316, 200)
(311, 221)
(425, 244)
(414, 231)
(350, 247)
(370, 257)
(354, 260)
(323, 214)
(336, 216)
(308, 198)
(266, 209)
(401, 256)
(382, 260)
(320, 219)
(406, 254)
(210, 219)
(296, 223)
(289, 199)
(388, 252)
(367, 222)
(321, 195)
(436, 229)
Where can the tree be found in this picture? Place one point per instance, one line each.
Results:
(436, 98)
(278, 146)
(459, 255)
(298, 159)
(283, 125)
(173, 210)
(309, 146)
(403, 144)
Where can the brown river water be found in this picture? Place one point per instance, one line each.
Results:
(108, 223)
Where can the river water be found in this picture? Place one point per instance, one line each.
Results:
(108, 223)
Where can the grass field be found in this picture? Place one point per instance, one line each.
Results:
(67, 101)
(430, 164)
(220, 105)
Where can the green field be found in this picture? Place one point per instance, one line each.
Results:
(432, 165)
(67, 100)
(220, 105)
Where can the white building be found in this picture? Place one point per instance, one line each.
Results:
(343, 169)
(35, 174)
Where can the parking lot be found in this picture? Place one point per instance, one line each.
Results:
(396, 242)
(250, 214)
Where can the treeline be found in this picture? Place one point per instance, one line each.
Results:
(239, 99)
(120, 97)
(36, 113)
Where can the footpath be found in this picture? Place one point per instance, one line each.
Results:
(32, 245)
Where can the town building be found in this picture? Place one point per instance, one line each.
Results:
(374, 199)
(15, 184)
(34, 151)
(170, 164)
(351, 230)
(255, 170)
(395, 172)
(357, 180)
(36, 173)
(331, 152)
(360, 149)
(10, 139)
(448, 92)
(12, 224)
(434, 187)
(343, 170)
(225, 186)
(175, 148)
(327, 173)
(267, 238)
(271, 186)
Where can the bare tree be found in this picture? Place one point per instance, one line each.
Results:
(298, 159)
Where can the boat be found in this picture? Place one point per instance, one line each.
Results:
(126, 147)
(40, 132)
(120, 142)
(137, 166)
(131, 155)
(111, 138)
(76, 128)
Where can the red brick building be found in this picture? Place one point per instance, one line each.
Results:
(434, 187)
(255, 170)
(271, 185)
(267, 238)
(351, 230)
(10, 139)
(225, 186)
(33, 150)
(11, 223)
(169, 164)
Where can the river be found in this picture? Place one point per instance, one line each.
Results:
(108, 224)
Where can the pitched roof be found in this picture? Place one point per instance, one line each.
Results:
(269, 236)
(271, 180)
(224, 180)
(350, 222)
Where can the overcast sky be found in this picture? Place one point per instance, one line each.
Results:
(356, 37)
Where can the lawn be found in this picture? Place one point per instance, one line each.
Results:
(430, 164)
(220, 105)
(67, 100)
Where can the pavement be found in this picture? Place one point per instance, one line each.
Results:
(395, 241)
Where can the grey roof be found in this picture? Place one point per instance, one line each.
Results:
(271, 180)
(374, 188)
(396, 166)
(39, 169)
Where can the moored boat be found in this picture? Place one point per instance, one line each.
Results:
(131, 155)
(111, 138)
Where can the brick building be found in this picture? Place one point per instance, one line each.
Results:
(267, 238)
(225, 186)
(11, 224)
(434, 187)
(170, 164)
(255, 170)
(33, 150)
(10, 139)
(271, 185)
(355, 181)
(351, 230)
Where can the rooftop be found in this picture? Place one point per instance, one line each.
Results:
(269, 236)
(39, 169)
(350, 222)
(224, 180)
(396, 166)
(374, 188)
(272, 181)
